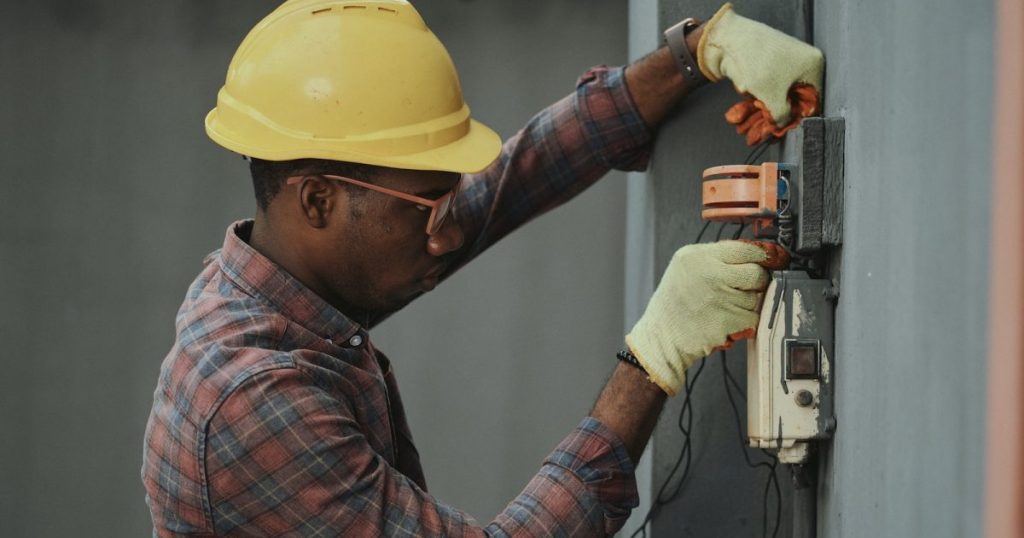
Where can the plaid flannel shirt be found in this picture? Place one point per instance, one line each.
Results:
(274, 414)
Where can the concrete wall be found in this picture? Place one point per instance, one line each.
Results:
(916, 91)
(110, 195)
(914, 82)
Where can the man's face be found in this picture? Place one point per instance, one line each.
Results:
(377, 256)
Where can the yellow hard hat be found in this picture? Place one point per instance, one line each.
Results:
(348, 80)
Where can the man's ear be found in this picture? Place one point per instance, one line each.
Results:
(317, 197)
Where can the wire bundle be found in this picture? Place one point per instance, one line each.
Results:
(684, 421)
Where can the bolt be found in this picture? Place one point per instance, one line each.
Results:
(804, 398)
(830, 424)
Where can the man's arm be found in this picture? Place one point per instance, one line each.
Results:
(607, 123)
(655, 82)
(560, 152)
(629, 405)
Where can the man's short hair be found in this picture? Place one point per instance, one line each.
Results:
(268, 177)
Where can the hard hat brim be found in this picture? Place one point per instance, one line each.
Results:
(469, 154)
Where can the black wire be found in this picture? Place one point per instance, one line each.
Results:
(739, 390)
(702, 230)
(760, 153)
(687, 446)
(727, 378)
(773, 479)
(685, 454)
(739, 420)
(757, 152)
(718, 236)
(686, 412)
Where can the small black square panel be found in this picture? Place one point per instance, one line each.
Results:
(802, 359)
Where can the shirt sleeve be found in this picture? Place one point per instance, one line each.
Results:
(561, 151)
(285, 457)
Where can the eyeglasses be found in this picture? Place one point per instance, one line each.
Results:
(440, 207)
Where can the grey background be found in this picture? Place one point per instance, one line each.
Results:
(914, 82)
(111, 194)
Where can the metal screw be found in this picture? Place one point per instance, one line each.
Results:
(804, 398)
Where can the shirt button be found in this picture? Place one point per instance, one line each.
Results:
(356, 341)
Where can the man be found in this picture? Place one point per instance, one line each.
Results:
(274, 413)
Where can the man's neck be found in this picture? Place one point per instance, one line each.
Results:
(288, 254)
(261, 240)
(268, 240)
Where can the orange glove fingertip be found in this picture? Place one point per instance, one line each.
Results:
(740, 112)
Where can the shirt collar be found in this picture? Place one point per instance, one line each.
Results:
(264, 279)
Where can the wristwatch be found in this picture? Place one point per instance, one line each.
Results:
(675, 38)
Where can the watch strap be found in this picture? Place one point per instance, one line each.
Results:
(675, 37)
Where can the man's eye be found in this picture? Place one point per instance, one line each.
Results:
(422, 208)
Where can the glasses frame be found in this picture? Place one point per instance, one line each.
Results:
(437, 214)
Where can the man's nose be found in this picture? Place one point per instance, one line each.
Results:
(447, 239)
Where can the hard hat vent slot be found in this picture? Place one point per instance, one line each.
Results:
(345, 8)
(324, 10)
(389, 10)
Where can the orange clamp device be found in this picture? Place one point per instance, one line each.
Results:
(742, 194)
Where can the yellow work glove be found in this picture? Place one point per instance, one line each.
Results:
(708, 292)
(758, 59)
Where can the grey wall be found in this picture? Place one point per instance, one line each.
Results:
(911, 331)
(914, 82)
(110, 195)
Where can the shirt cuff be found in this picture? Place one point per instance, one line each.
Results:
(597, 456)
(618, 132)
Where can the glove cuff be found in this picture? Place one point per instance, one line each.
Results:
(709, 55)
(659, 370)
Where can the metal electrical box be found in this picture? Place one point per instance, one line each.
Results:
(798, 204)
(789, 367)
